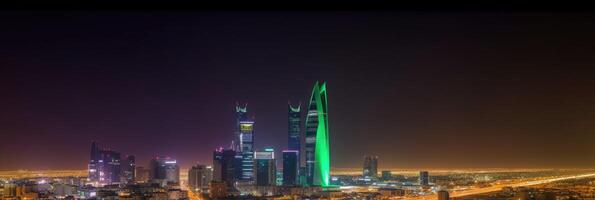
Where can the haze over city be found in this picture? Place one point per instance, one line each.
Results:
(420, 90)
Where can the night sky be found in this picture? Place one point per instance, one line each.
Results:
(418, 89)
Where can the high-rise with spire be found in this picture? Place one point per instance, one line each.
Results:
(245, 138)
(293, 128)
(291, 156)
(241, 114)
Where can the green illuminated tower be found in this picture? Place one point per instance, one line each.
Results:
(317, 139)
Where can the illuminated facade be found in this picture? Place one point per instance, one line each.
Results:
(247, 149)
(243, 143)
(294, 123)
(241, 114)
(317, 139)
(94, 164)
(104, 166)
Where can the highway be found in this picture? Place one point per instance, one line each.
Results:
(495, 188)
(42, 173)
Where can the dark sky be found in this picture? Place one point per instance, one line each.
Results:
(419, 89)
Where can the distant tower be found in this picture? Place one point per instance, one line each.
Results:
(245, 141)
(104, 166)
(241, 114)
(370, 167)
(94, 164)
(247, 149)
(129, 169)
(317, 139)
(94, 158)
(294, 123)
(424, 178)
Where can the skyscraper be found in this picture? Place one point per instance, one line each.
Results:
(199, 177)
(291, 161)
(129, 169)
(109, 168)
(265, 167)
(241, 114)
(317, 138)
(225, 166)
(424, 178)
(104, 166)
(244, 142)
(247, 149)
(164, 170)
(370, 167)
(94, 164)
(294, 123)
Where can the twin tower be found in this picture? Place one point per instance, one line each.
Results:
(316, 170)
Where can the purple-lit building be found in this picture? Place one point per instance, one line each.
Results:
(104, 166)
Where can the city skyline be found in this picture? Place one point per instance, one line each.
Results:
(419, 90)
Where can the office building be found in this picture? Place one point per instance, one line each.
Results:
(241, 114)
(247, 149)
(424, 178)
(290, 167)
(104, 166)
(243, 143)
(129, 169)
(294, 124)
(110, 170)
(265, 167)
(226, 166)
(93, 176)
(317, 139)
(164, 170)
(370, 169)
(199, 177)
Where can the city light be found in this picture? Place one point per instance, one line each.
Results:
(423, 105)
